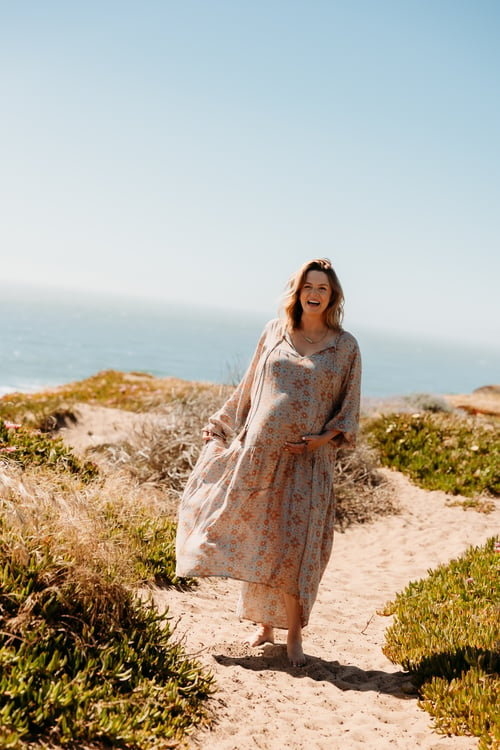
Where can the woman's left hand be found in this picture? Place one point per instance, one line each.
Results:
(307, 444)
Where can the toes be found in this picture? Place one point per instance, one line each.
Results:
(263, 635)
(297, 662)
(296, 656)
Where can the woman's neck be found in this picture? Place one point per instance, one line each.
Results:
(312, 323)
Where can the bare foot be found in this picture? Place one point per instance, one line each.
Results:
(294, 650)
(263, 634)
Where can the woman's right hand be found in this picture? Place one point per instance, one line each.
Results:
(208, 434)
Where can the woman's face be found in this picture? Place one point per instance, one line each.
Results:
(315, 293)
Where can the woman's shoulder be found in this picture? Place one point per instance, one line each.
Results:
(348, 340)
(275, 327)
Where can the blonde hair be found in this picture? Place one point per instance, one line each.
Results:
(291, 306)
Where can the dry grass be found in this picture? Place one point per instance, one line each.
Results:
(163, 454)
(79, 522)
(160, 454)
(362, 492)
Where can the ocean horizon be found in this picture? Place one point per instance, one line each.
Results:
(49, 340)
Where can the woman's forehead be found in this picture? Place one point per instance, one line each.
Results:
(316, 277)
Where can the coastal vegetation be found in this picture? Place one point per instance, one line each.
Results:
(83, 658)
(83, 540)
(132, 391)
(446, 633)
(446, 629)
(85, 536)
(35, 449)
(456, 454)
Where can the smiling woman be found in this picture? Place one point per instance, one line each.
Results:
(315, 293)
(259, 505)
(314, 305)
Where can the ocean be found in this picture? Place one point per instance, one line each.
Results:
(51, 339)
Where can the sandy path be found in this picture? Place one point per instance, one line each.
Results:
(348, 695)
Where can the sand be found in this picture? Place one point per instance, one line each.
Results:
(348, 695)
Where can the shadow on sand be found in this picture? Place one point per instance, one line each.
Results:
(273, 658)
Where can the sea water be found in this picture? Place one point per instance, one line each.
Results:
(48, 340)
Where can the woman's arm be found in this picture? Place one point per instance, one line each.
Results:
(230, 418)
(345, 422)
(311, 442)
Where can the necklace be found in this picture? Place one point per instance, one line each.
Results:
(311, 341)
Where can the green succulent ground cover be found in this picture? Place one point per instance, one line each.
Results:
(446, 632)
(81, 660)
(28, 447)
(440, 451)
(151, 543)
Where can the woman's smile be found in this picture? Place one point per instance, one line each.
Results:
(316, 293)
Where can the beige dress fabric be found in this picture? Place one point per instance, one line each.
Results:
(254, 512)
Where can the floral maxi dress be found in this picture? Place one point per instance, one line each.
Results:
(250, 510)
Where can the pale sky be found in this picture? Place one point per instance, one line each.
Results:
(199, 151)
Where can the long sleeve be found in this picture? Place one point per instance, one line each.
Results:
(346, 412)
(230, 418)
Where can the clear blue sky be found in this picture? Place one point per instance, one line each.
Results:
(201, 150)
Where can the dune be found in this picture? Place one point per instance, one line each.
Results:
(348, 695)
(484, 400)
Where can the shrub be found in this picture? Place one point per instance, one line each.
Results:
(82, 660)
(440, 451)
(361, 492)
(446, 632)
(164, 452)
(427, 402)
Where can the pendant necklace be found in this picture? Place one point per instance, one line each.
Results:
(310, 341)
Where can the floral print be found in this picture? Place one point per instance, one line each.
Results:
(254, 512)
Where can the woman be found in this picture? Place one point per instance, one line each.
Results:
(259, 505)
